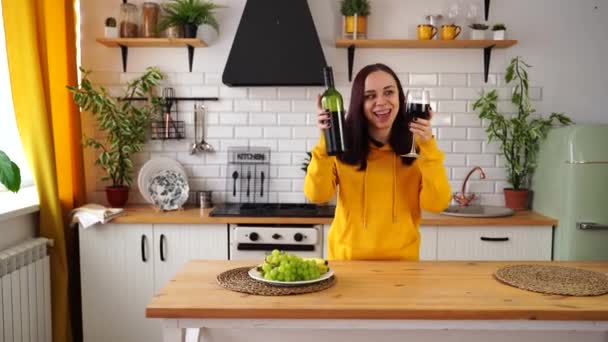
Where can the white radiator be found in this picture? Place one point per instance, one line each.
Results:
(25, 292)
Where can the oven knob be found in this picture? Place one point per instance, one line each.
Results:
(276, 236)
(254, 236)
(298, 237)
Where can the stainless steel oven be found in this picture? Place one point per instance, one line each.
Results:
(254, 241)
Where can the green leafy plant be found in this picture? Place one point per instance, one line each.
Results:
(478, 26)
(499, 27)
(306, 162)
(351, 7)
(519, 135)
(193, 12)
(10, 175)
(124, 123)
(110, 22)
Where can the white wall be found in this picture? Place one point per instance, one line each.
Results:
(564, 41)
(17, 229)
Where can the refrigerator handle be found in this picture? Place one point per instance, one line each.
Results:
(590, 226)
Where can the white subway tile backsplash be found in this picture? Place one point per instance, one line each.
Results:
(454, 159)
(217, 158)
(289, 93)
(282, 185)
(495, 199)
(445, 146)
(292, 119)
(295, 145)
(501, 185)
(213, 78)
(423, 79)
(506, 107)
(188, 159)
(500, 161)
(441, 93)
(211, 119)
(206, 171)
(306, 132)
(452, 80)
(220, 132)
(441, 120)
(238, 119)
(467, 146)
(291, 197)
(476, 134)
(535, 93)
(277, 132)
(248, 132)
(176, 145)
(452, 106)
(452, 133)
(247, 105)
(477, 80)
(277, 106)
(266, 119)
(280, 158)
(313, 92)
(226, 143)
(263, 93)
(188, 78)
(479, 186)
(481, 160)
(307, 106)
(233, 92)
(214, 184)
(297, 185)
(466, 93)
(492, 147)
(466, 120)
(205, 91)
(219, 106)
(270, 143)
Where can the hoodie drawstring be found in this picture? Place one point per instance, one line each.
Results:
(365, 199)
(394, 188)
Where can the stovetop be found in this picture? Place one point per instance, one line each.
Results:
(273, 210)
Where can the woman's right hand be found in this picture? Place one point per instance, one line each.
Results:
(322, 115)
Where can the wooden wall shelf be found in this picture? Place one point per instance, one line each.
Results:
(486, 45)
(126, 43)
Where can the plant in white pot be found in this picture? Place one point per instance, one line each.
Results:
(111, 31)
(498, 31)
(478, 31)
(124, 126)
(519, 135)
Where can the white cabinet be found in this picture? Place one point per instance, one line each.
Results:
(117, 281)
(122, 266)
(177, 244)
(494, 243)
(428, 243)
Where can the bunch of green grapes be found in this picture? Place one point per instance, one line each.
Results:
(282, 266)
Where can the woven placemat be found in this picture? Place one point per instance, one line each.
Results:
(554, 279)
(238, 280)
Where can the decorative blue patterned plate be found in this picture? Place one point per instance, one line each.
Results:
(168, 190)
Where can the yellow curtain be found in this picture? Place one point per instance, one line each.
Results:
(41, 51)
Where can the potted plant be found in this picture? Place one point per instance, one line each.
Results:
(10, 176)
(123, 124)
(355, 14)
(111, 31)
(478, 31)
(519, 135)
(499, 31)
(190, 14)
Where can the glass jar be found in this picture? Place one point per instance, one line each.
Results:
(149, 19)
(128, 20)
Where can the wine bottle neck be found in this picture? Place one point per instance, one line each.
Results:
(329, 77)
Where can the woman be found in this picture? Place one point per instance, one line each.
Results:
(381, 194)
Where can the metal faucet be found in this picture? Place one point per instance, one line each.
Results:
(461, 197)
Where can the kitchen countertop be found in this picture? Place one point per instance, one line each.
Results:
(379, 290)
(147, 214)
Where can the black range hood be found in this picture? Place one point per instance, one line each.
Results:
(276, 44)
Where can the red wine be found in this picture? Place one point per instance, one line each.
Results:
(418, 110)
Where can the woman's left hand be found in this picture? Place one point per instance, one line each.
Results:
(422, 128)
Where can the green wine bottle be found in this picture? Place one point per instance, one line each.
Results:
(332, 102)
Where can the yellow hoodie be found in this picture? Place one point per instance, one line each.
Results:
(378, 209)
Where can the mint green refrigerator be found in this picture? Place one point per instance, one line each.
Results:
(570, 184)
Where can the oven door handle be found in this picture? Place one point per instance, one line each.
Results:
(271, 246)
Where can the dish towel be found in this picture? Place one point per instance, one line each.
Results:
(92, 214)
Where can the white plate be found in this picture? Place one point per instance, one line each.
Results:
(152, 168)
(253, 273)
(168, 190)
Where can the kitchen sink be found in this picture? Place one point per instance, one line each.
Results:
(477, 211)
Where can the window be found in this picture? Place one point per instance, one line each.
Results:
(10, 142)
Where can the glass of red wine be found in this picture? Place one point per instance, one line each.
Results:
(417, 104)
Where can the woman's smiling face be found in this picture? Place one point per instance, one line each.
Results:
(381, 103)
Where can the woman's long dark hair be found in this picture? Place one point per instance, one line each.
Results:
(357, 127)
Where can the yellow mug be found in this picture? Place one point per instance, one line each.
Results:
(450, 32)
(426, 32)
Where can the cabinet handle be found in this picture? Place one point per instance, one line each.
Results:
(144, 240)
(497, 239)
(162, 247)
(590, 226)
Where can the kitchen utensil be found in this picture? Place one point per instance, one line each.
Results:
(205, 199)
(169, 190)
(262, 184)
(194, 146)
(248, 181)
(235, 176)
(168, 97)
(203, 145)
